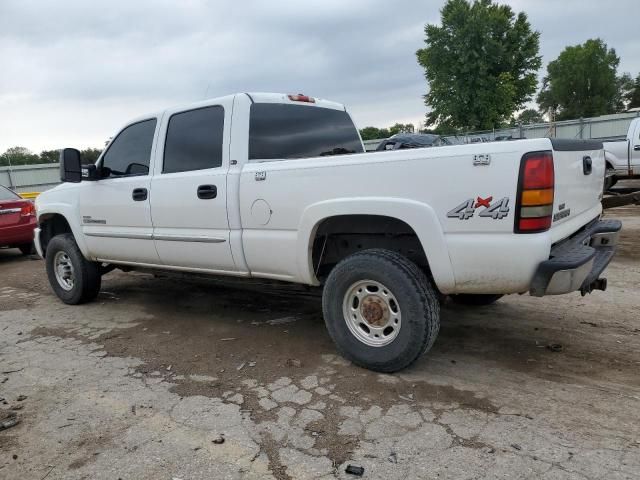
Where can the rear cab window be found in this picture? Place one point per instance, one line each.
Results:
(281, 132)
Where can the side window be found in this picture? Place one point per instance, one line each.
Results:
(194, 140)
(130, 152)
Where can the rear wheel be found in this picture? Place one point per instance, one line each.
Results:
(475, 300)
(609, 179)
(26, 249)
(73, 278)
(380, 310)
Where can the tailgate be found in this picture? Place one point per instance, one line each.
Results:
(579, 177)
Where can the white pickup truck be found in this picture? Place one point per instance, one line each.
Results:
(279, 187)
(622, 157)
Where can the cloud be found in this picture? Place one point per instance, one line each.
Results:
(74, 71)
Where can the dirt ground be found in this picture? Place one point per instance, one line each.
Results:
(174, 378)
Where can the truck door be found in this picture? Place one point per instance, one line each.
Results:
(115, 213)
(189, 189)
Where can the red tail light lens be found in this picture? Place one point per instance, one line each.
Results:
(538, 171)
(28, 210)
(535, 193)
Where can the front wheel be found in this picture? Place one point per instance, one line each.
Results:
(381, 310)
(73, 278)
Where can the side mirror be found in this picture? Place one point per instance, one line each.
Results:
(70, 165)
(90, 173)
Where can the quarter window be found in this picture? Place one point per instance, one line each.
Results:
(282, 131)
(130, 152)
(194, 140)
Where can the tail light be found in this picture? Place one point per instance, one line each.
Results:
(301, 98)
(534, 208)
(28, 210)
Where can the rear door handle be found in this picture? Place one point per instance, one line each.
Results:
(140, 194)
(636, 147)
(207, 192)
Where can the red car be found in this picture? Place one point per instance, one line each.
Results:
(17, 221)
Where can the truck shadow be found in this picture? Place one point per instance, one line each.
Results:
(224, 324)
(11, 255)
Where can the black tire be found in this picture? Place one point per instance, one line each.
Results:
(475, 300)
(87, 279)
(609, 179)
(416, 298)
(26, 249)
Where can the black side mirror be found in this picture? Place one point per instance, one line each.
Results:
(70, 165)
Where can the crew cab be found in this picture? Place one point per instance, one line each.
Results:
(279, 187)
(623, 156)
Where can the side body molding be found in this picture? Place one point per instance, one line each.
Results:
(419, 216)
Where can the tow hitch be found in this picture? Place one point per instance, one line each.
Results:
(599, 284)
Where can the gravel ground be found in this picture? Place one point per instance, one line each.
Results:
(172, 378)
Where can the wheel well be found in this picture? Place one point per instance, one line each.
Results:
(51, 226)
(340, 236)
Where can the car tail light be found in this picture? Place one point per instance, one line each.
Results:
(301, 98)
(28, 210)
(534, 208)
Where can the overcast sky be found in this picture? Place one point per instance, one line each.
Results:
(73, 71)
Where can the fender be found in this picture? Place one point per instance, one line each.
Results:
(419, 216)
(621, 167)
(69, 212)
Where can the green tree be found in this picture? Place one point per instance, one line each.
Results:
(90, 155)
(632, 92)
(401, 128)
(582, 82)
(18, 156)
(480, 64)
(528, 116)
(49, 156)
(374, 133)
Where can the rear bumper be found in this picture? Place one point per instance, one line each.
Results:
(17, 234)
(576, 263)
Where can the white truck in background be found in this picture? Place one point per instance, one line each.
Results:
(623, 156)
(279, 187)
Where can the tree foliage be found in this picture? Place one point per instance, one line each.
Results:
(374, 133)
(582, 82)
(18, 156)
(527, 117)
(15, 156)
(629, 89)
(480, 64)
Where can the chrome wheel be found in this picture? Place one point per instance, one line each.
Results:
(372, 313)
(63, 269)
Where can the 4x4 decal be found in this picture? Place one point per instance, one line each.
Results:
(467, 209)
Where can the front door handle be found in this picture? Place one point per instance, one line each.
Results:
(207, 192)
(636, 147)
(140, 194)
